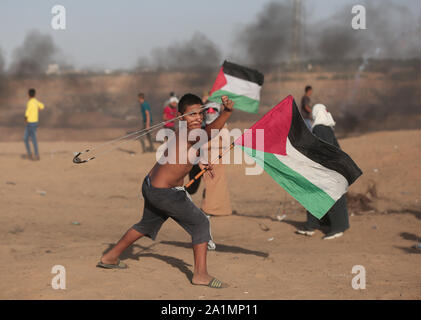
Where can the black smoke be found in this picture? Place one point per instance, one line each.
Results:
(267, 40)
(336, 42)
(197, 59)
(393, 32)
(197, 53)
(34, 55)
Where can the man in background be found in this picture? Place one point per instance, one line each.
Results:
(305, 106)
(145, 109)
(31, 116)
(170, 112)
(167, 102)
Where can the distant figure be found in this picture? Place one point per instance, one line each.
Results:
(337, 216)
(170, 112)
(145, 109)
(167, 102)
(31, 116)
(305, 106)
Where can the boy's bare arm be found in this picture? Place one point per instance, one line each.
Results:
(223, 117)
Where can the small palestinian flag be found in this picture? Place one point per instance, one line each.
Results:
(314, 172)
(242, 85)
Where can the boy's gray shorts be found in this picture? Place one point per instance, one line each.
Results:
(162, 203)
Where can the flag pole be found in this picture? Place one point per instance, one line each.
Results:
(197, 176)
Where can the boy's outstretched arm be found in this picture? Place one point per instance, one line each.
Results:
(223, 117)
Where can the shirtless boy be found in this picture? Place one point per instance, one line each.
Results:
(165, 197)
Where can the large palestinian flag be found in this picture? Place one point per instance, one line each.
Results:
(314, 172)
(242, 85)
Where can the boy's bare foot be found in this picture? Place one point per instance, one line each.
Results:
(119, 265)
(209, 281)
(109, 260)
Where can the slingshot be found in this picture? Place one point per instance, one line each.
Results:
(137, 134)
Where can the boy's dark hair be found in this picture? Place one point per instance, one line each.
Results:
(187, 100)
(141, 95)
(308, 88)
(31, 93)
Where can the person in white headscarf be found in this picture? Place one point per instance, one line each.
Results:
(323, 124)
(321, 116)
(337, 216)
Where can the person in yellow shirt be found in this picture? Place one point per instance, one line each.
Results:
(31, 116)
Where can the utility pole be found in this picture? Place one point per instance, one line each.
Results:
(296, 32)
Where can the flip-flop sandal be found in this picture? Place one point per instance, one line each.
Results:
(214, 283)
(120, 265)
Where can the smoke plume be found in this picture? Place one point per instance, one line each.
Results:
(391, 32)
(197, 53)
(267, 40)
(36, 53)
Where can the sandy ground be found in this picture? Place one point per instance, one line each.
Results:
(260, 257)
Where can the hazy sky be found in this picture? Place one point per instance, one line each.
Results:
(114, 34)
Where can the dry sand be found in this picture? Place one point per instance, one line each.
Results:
(41, 200)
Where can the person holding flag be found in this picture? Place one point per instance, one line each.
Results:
(165, 197)
(242, 85)
(337, 217)
(315, 172)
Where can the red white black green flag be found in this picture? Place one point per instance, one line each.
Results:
(314, 172)
(241, 84)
